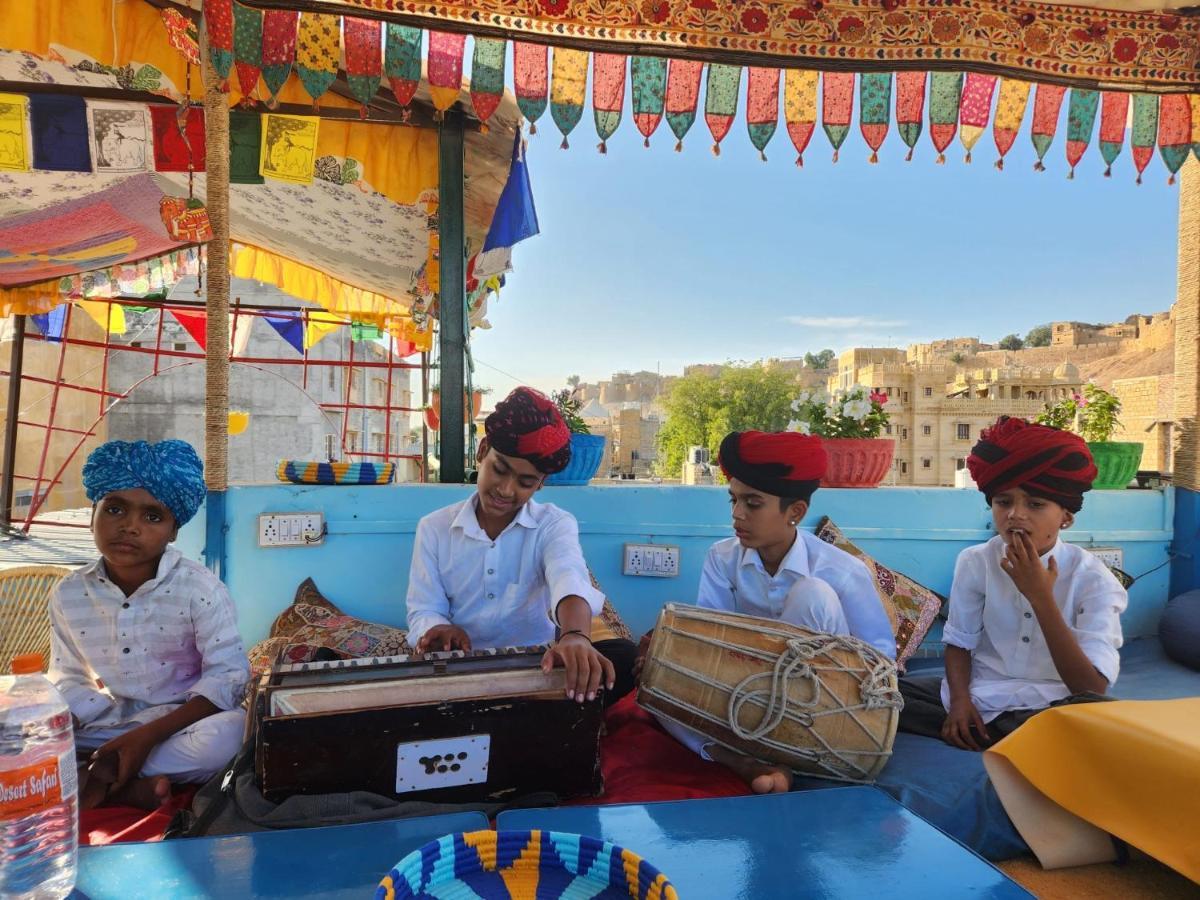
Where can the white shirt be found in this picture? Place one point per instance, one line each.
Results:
(114, 657)
(502, 593)
(734, 579)
(1011, 666)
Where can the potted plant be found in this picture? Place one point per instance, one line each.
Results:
(849, 424)
(433, 412)
(1093, 416)
(587, 449)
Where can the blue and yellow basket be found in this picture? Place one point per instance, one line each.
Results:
(523, 865)
(300, 472)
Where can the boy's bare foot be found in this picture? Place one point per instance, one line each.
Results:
(143, 793)
(762, 778)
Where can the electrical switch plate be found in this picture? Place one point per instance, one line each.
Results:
(291, 529)
(656, 560)
(1113, 557)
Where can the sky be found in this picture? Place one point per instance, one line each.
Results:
(651, 259)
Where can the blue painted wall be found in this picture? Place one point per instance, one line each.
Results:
(363, 564)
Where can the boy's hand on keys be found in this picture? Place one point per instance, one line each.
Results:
(129, 751)
(444, 637)
(1024, 567)
(586, 666)
(962, 719)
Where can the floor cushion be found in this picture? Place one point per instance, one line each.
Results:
(313, 622)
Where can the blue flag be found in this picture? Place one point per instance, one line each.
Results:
(290, 327)
(51, 324)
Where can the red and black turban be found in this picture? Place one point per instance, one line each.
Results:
(526, 424)
(781, 463)
(1041, 460)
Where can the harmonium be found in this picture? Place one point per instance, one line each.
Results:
(449, 727)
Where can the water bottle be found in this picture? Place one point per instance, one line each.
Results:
(39, 825)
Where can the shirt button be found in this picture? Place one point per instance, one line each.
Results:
(491, 596)
(1025, 640)
(125, 605)
(1029, 615)
(126, 650)
(490, 571)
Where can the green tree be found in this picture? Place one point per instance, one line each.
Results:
(822, 360)
(1038, 337)
(956, 358)
(573, 381)
(701, 409)
(1010, 342)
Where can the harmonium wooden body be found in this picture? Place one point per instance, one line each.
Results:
(448, 727)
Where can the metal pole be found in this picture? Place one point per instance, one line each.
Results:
(15, 365)
(424, 425)
(452, 298)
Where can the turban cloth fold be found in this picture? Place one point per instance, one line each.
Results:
(170, 471)
(782, 463)
(526, 424)
(1043, 461)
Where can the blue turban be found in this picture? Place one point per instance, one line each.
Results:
(169, 470)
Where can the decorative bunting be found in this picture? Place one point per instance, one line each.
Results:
(649, 77)
(52, 324)
(1081, 120)
(945, 94)
(1047, 101)
(182, 34)
(278, 48)
(875, 103)
(487, 76)
(1194, 101)
(289, 147)
(1114, 114)
(176, 149)
(1010, 111)
(218, 27)
(194, 322)
(361, 39)
(683, 95)
(1145, 130)
(247, 48)
(402, 61)
(975, 110)
(290, 327)
(530, 81)
(720, 101)
(910, 108)
(568, 89)
(318, 40)
(445, 68)
(800, 108)
(59, 125)
(245, 145)
(109, 316)
(119, 135)
(1174, 131)
(14, 133)
(837, 107)
(762, 107)
(608, 94)
(319, 325)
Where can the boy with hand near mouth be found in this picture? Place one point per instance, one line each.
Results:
(1033, 622)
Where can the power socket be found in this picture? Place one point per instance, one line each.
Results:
(656, 560)
(1113, 557)
(291, 529)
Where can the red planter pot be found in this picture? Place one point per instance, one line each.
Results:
(857, 462)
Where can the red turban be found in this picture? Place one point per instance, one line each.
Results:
(526, 424)
(1043, 461)
(782, 463)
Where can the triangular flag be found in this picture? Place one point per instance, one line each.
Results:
(239, 333)
(51, 324)
(109, 316)
(515, 218)
(194, 323)
(319, 325)
(289, 327)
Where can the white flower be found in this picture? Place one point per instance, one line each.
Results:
(797, 425)
(800, 400)
(856, 408)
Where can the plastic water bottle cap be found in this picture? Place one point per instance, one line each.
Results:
(27, 664)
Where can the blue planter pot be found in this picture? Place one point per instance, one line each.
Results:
(587, 452)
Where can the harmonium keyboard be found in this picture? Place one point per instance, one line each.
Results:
(449, 727)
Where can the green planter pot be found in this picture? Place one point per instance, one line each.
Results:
(1117, 462)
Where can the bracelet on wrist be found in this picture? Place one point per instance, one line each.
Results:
(566, 634)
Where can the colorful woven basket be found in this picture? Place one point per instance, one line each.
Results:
(298, 472)
(523, 865)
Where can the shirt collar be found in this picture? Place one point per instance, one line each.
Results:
(794, 561)
(466, 521)
(166, 563)
(1054, 551)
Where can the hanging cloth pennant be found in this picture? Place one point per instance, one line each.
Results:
(837, 107)
(1174, 131)
(1194, 102)
(976, 109)
(14, 133)
(875, 103)
(182, 34)
(1010, 111)
(800, 108)
(649, 77)
(402, 61)
(218, 26)
(194, 322)
(177, 150)
(52, 324)
(1047, 102)
(361, 39)
(290, 327)
(247, 49)
(278, 48)
(530, 81)
(487, 76)
(720, 101)
(59, 125)
(910, 108)
(1114, 116)
(445, 68)
(1145, 131)
(318, 42)
(1081, 120)
(945, 94)
(239, 333)
(762, 107)
(568, 89)
(319, 325)
(245, 146)
(608, 94)
(683, 95)
(109, 316)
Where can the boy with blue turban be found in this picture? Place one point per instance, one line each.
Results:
(144, 643)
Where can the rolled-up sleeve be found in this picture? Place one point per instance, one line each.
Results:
(427, 605)
(964, 620)
(564, 568)
(224, 667)
(1097, 621)
(70, 672)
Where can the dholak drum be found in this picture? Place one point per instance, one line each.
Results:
(824, 705)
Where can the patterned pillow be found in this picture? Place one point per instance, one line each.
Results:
(608, 625)
(910, 607)
(313, 623)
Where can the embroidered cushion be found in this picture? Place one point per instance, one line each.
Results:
(608, 625)
(910, 607)
(313, 622)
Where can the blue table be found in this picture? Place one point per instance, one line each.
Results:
(853, 842)
(334, 862)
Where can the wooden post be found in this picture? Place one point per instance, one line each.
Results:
(452, 297)
(16, 362)
(1185, 569)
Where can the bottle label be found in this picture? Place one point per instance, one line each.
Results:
(36, 788)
